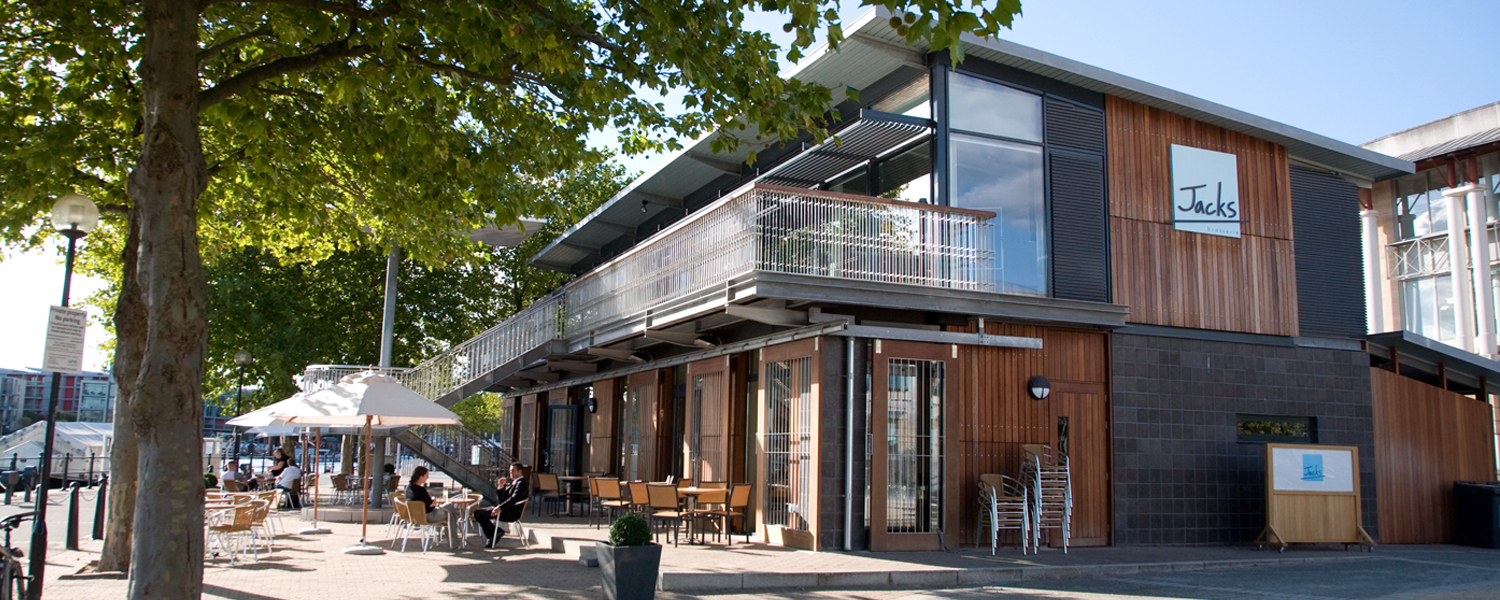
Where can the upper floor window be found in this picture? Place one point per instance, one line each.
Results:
(996, 161)
(1421, 209)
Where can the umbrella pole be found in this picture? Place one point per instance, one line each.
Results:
(317, 453)
(362, 547)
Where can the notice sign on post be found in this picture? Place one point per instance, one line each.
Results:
(1205, 191)
(64, 352)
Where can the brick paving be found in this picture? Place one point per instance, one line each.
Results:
(314, 568)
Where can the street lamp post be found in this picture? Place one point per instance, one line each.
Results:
(74, 216)
(242, 360)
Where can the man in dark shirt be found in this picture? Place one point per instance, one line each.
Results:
(513, 493)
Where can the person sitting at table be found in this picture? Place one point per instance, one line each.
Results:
(417, 490)
(231, 472)
(287, 481)
(281, 461)
(513, 493)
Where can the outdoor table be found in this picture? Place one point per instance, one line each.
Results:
(572, 481)
(692, 494)
(461, 506)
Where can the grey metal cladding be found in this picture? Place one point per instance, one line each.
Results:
(1073, 126)
(1326, 239)
(1080, 226)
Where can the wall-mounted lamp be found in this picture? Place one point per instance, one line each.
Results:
(1038, 387)
(643, 206)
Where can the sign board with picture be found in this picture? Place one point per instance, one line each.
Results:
(1312, 495)
(1205, 191)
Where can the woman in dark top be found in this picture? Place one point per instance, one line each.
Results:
(417, 491)
(280, 463)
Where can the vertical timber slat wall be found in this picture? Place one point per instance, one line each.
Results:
(604, 450)
(645, 388)
(995, 417)
(1425, 439)
(1184, 279)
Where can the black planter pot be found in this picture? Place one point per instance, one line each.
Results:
(628, 572)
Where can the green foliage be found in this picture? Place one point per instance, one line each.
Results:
(629, 530)
(481, 412)
(210, 481)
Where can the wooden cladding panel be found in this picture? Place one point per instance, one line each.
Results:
(604, 448)
(708, 417)
(1184, 279)
(996, 417)
(645, 392)
(1140, 167)
(1426, 438)
(1181, 279)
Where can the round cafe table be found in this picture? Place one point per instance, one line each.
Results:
(572, 481)
(461, 506)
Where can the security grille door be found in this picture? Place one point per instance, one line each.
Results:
(787, 491)
(907, 432)
(562, 440)
(528, 431)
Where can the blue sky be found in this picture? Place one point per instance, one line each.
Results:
(1353, 70)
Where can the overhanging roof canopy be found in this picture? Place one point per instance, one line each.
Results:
(871, 136)
(1420, 358)
(871, 51)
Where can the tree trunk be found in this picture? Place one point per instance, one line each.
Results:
(346, 454)
(130, 328)
(167, 556)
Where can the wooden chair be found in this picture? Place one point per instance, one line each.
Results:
(662, 498)
(707, 505)
(398, 504)
(261, 520)
(1004, 503)
(639, 503)
(233, 486)
(416, 518)
(392, 485)
(610, 497)
(547, 489)
(518, 531)
(232, 525)
(736, 507)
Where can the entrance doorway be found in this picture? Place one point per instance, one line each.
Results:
(566, 424)
(910, 383)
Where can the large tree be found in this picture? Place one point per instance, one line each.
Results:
(320, 124)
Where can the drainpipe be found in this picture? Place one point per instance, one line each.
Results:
(1458, 260)
(1374, 281)
(1479, 249)
(849, 443)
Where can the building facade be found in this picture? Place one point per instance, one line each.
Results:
(89, 396)
(1009, 251)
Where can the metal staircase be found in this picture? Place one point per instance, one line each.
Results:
(468, 457)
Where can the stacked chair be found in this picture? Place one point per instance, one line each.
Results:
(1004, 503)
(1041, 498)
(1047, 477)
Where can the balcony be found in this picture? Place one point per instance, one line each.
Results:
(731, 251)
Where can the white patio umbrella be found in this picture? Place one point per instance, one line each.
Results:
(369, 399)
(317, 433)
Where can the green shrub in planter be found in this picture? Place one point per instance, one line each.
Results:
(629, 530)
(629, 563)
(209, 481)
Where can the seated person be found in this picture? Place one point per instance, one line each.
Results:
(231, 473)
(513, 493)
(417, 490)
(287, 481)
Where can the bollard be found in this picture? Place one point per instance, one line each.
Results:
(91, 469)
(99, 504)
(72, 542)
(67, 461)
(12, 461)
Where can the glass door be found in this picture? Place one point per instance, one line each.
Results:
(565, 423)
(907, 434)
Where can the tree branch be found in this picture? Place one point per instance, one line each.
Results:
(573, 28)
(462, 72)
(337, 8)
(210, 51)
(282, 66)
(233, 157)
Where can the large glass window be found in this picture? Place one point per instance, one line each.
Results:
(1006, 178)
(1421, 209)
(996, 168)
(984, 107)
(1430, 307)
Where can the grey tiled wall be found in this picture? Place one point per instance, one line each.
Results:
(1180, 475)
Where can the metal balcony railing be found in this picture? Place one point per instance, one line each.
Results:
(1419, 258)
(758, 229)
(787, 230)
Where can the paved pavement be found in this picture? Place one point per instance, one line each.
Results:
(313, 568)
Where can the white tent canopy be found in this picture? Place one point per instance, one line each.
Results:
(356, 400)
